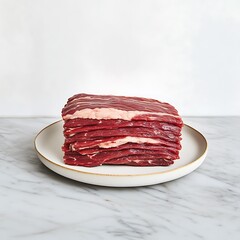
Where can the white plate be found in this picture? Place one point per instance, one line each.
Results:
(48, 145)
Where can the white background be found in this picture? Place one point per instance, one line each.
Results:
(184, 52)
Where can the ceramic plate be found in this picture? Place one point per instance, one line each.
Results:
(48, 146)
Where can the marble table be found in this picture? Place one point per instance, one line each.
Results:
(36, 203)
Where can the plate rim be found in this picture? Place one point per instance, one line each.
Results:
(121, 175)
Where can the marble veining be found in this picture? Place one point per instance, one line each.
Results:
(36, 203)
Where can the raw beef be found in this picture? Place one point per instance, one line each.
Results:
(119, 130)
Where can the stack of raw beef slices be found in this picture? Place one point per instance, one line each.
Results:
(106, 129)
